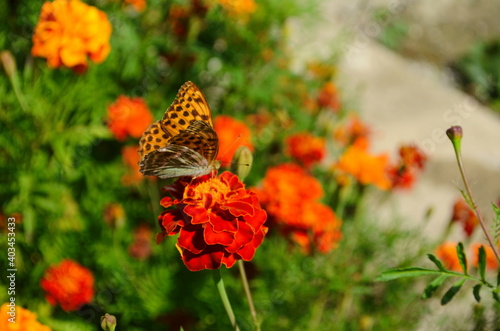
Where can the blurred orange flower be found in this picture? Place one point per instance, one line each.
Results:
(114, 215)
(130, 155)
(290, 196)
(68, 284)
(491, 261)
(366, 168)
(412, 161)
(24, 319)
(464, 216)
(232, 134)
(447, 253)
(69, 31)
(128, 116)
(140, 249)
(218, 220)
(328, 97)
(306, 148)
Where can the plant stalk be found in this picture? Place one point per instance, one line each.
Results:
(225, 300)
(244, 280)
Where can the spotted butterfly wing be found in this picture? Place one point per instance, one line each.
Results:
(183, 142)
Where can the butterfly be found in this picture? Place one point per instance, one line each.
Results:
(183, 142)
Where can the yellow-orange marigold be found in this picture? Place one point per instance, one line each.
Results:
(232, 134)
(238, 8)
(128, 116)
(25, 320)
(69, 31)
(366, 168)
(68, 284)
(306, 148)
(447, 253)
(491, 261)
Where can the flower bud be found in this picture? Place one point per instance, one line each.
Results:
(242, 162)
(108, 322)
(455, 132)
(8, 63)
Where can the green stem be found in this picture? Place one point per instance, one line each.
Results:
(225, 300)
(470, 197)
(244, 280)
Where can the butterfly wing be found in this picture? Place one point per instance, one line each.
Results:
(190, 105)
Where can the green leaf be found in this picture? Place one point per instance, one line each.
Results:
(461, 257)
(433, 286)
(436, 261)
(405, 272)
(482, 263)
(498, 278)
(475, 291)
(452, 291)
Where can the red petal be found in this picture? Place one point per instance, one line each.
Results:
(198, 213)
(166, 202)
(238, 208)
(191, 239)
(214, 238)
(171, 221)
(229, 260)
(244, 235)
(257, 221)
(210, 258)
(248, 251)
(223, 221)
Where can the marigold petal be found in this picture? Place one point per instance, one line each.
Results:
(248, 251)
(210, 258)
(198, 213)
(222, 222)
(244, 235)
(171, 221)
(217, 238)
(191, 239)
(238, 208)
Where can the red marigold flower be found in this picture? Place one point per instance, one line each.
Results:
(447, 252)
(464, 216)
(403, 174)
(491, 260)
(401, 177)
(291, 196)
(68, 284)
(128, 116)
(232, 134)
(69, 31)
(306, 148)
(24, 319)
(217, 219)
(412, 157)
(353, 130)
(328, 97)
(366, 168)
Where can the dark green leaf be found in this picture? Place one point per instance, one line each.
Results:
(405, 272)
(461, 257)
(475, 291)
(498, 278)
(436, 262)
(433, 286)
(452, 291)
(496, 296)
(482, 262)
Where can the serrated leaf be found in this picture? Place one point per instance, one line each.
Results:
(436, 261)
(433, 286)
(475, 291)
(448, 296)
(482, 263)
(462, 258)
(405, 272)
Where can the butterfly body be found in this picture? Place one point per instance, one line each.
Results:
(183, 142)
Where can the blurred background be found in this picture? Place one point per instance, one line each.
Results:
(81, 81)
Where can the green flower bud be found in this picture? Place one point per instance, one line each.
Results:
(108, 322)
(242, 162)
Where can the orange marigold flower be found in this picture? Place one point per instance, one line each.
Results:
(24, 319)
(128, 116)
(68, 284)
(447, 253)
(464, 216)
(218, 221)
(412, 157)
(131, 158)
(491, 260)
(232, 134)
(69, 31)
(366, 168)
(140, 249)
(306, 148)
(328, 97)
(412, 160)
(290, 196)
